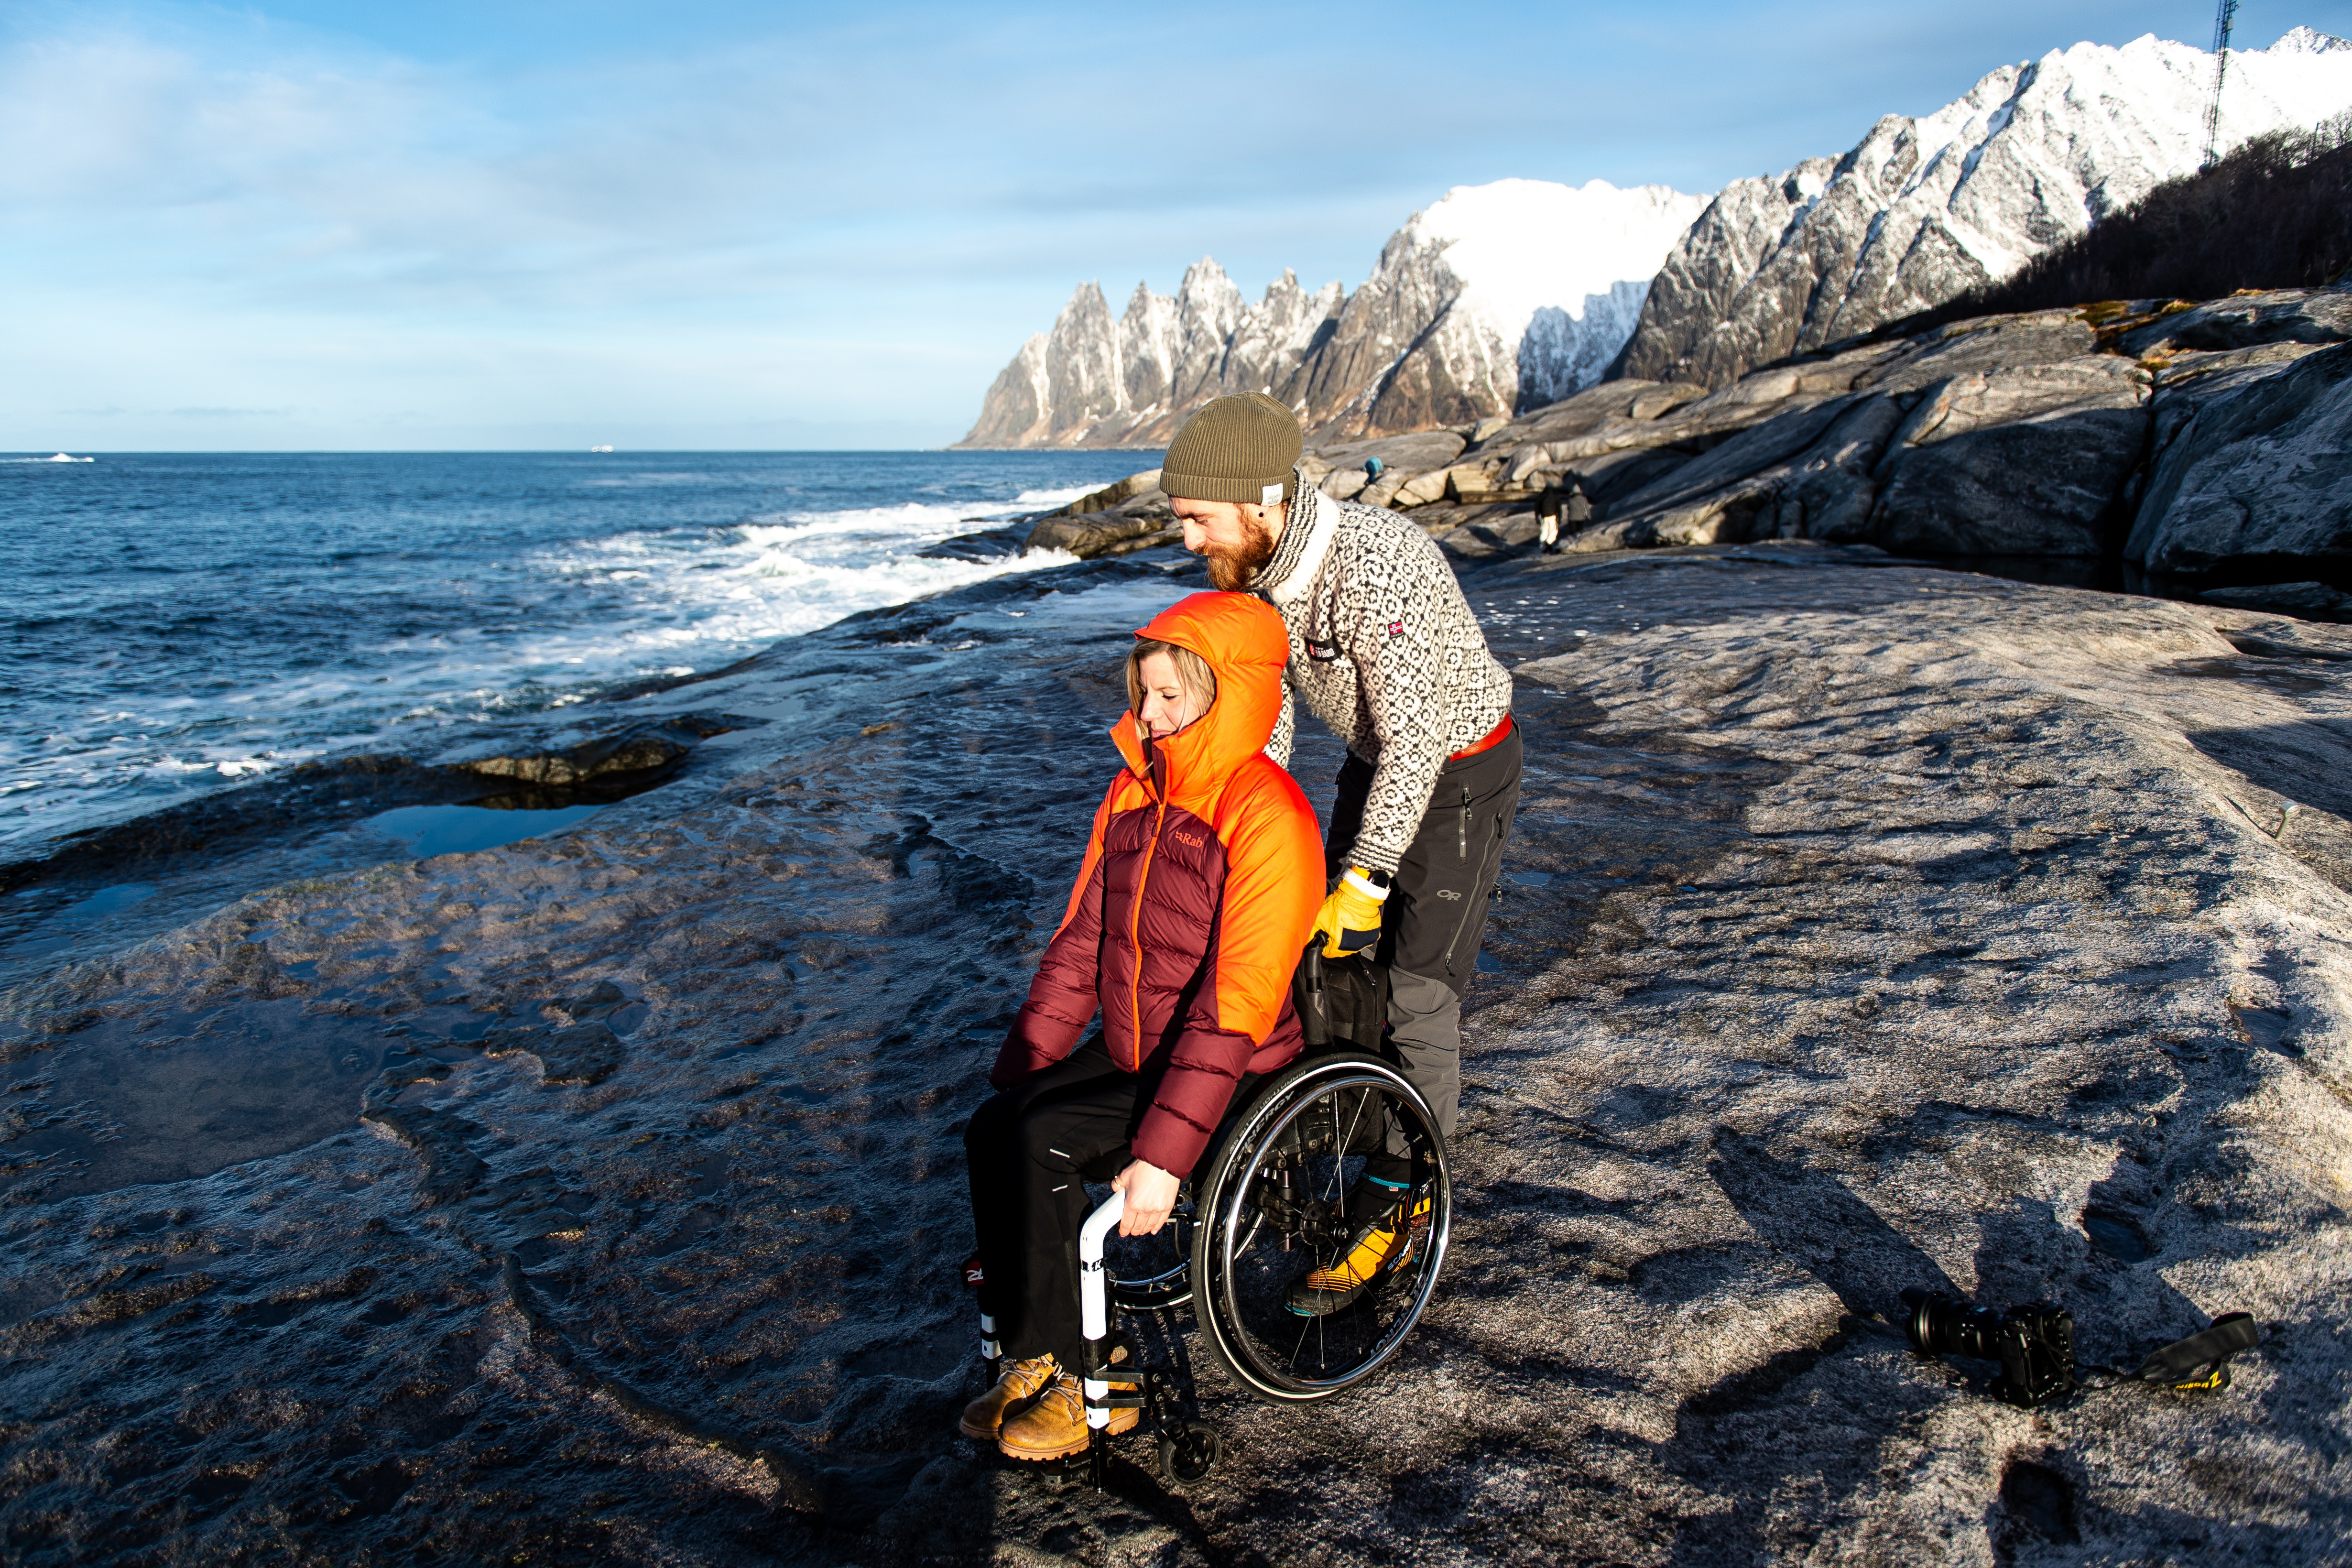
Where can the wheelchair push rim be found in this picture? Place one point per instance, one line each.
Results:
(1316, 1120)
(1154, 1273)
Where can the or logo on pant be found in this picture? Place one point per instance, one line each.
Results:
(1449, 893)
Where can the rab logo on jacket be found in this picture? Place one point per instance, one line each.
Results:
(1191, 841)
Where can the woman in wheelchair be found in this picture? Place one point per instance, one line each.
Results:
(1200, 885)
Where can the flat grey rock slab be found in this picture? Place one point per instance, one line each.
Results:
(1866, 926)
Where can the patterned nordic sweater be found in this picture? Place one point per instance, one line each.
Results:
(1386, 652)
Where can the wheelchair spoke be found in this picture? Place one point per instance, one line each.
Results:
(1340, 1150)
(1306, 1327)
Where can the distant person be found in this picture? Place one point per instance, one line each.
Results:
(1386, 652)
(1197, 893)
(1560, 513)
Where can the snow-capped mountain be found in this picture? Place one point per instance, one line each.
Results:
(1921, 210)
(1494, 297)
(1504, 297)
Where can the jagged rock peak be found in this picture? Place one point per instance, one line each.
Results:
(1093, 382)
(1923, 209)
(2307, 41)
(1492, 298)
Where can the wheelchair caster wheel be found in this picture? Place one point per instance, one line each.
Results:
(1190, 1451)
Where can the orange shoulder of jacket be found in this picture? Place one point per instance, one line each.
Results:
(1262, 789)
(1274, 886)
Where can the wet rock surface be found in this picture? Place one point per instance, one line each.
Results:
(1866, 926)
(113, 884)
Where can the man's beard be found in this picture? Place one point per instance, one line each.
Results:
(1232, 569)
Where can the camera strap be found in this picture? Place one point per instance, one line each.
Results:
(2200, 1361)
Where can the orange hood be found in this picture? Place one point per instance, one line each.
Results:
(1246, 644)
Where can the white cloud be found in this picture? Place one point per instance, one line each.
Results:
(771, 212)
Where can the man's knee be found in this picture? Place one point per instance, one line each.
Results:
(1425, 1028)
(1424, 1011)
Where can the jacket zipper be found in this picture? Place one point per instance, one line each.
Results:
(1135, 937)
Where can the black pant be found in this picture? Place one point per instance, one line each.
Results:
(1436, 908)
(1027, 1149)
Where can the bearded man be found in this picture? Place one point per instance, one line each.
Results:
(1386, 652)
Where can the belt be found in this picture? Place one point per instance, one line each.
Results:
(1494, 737)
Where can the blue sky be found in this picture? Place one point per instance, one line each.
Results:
(718, 224)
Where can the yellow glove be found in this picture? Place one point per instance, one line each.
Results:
(1349, 920)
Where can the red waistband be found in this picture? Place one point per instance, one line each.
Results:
(1494, 737)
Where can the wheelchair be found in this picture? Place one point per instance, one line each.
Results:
(1265, 1204)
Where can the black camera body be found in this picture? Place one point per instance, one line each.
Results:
(2035, 1344)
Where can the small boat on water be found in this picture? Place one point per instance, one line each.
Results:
(600, 448)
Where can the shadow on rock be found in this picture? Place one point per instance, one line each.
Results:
(2310, 762)
(1809, 1217)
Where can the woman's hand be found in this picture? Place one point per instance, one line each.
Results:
(1150, 1192)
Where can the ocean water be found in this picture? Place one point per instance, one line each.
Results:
(177, 623)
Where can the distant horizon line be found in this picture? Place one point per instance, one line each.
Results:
(31, 455)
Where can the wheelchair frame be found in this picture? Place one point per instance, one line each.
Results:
(1188, 1447)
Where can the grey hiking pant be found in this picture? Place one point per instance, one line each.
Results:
(1436, 909)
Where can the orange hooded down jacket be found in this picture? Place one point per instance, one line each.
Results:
(1200, 887)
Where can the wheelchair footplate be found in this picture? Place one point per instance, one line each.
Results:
(1189, 1447)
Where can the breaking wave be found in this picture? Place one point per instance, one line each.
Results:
(307, 606)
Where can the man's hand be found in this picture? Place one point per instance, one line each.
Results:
(1150, 1192)
(1349, 920)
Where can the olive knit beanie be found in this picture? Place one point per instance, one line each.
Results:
(1239, 448)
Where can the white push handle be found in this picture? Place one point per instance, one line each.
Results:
(1093, 1315)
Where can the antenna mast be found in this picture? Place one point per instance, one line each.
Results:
(2222, 17)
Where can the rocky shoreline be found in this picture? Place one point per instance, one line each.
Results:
(1868, 925)
(2203, 443)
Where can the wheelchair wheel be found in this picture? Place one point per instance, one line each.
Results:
(1271, 1207)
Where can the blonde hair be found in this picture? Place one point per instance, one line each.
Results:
(1192, 673)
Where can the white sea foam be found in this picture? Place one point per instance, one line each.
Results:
(705, 599)
(558, 624)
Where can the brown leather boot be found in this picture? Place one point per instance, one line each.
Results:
(1020, 1381)
(1056, 1427)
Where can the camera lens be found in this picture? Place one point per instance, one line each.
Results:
(1941, 1325)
